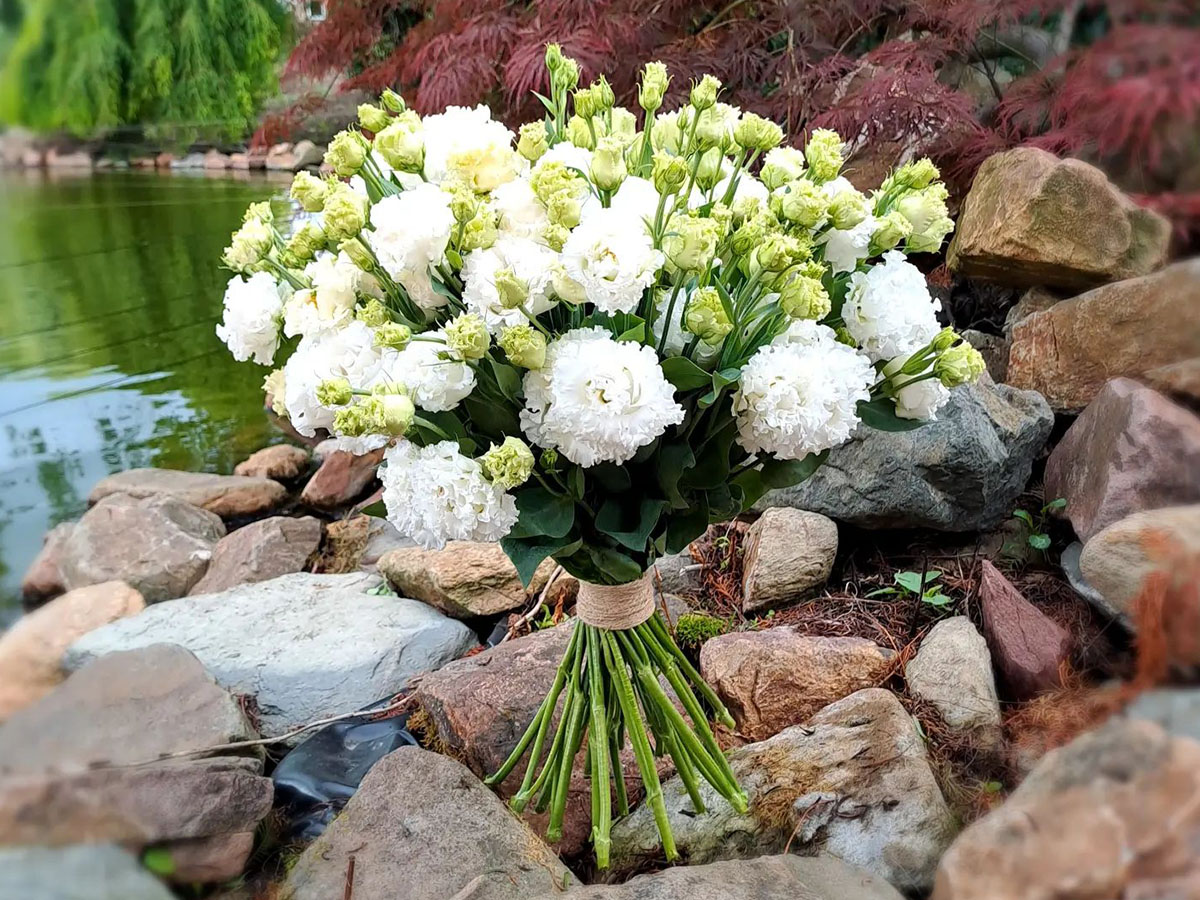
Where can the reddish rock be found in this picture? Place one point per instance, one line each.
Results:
(778, 677)
(1131, 450)
(44, 579)
(1181, 379)
(260, 551)
(282, 462)
(1028, 647)
(164, 160)
(229, 496)
(341, 478)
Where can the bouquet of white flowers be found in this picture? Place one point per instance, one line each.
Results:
(589, 341)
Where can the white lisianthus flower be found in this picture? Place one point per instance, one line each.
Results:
(411, 232)
(250, 324)
(434, 383)
(467, 145)
(799, 395)
(530, 262)
(917, 401)
(611, 256)
(569, 155)
(889, 310)
(521, 212)
(348, 352)
(749, 195)
(636, 198)
(434, 494)
(597, 399)
(844, 250)
(360, 446)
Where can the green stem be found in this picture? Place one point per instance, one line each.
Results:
(598, 743)
(558, 802)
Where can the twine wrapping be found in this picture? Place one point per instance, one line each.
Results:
(616, 607)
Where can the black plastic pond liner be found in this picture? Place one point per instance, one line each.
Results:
(314, 781)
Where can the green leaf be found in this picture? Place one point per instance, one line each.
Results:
(628, 521)
(1023, 516)
(880, 414)
(1059, 503)
(727, 500)
(685, 526)
(546, 102)
(508, 378)
(613, 478)
(938, 599)
(673, 461)
(780, 473)
(712, 463)
(454, 257)
(911, 581)
(542, 513)
(527, 553)
(376, 509)
(495, 420)
(576, 482)
(615, 564)
(1039, 541)
(439, 288)
(887, 591)
(684, 374)
(159, 861)
(720, 380)
(752, 486)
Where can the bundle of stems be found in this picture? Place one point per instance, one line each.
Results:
(604, 677)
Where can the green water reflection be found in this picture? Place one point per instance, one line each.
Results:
(110, 291)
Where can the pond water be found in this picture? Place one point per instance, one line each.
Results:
(111, 289)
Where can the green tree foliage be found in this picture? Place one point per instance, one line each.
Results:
(178, 68)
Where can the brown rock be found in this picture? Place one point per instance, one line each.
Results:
(953, 671)
(1131, 450)
(260, 551)
(210, 860)
(282, 462)
(1111, 816)
(80, 159)
(43, 579)
(1028, 648)
(1069, 351)
(778, 677)
(30, 651)
(226, 495)
(164, 160)
(1034, 300)
(341, 477)
(1033, 219)
(1181, 379)
(788, 553)
(215, 159)
(239, 161)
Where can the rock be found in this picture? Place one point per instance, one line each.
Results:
(1069, 560)
(43, 579)
(164, 160)
(80, 159)
(1181, 380)
(1131, 450)
(993, 349)
(306, 154)
(260, 551)
(341, 478)
(853, 783)
(1175, 710)
(422, 827)
(33, 158)
(788, 554)
(463, 580)
(215, 159)
(31, 649)
(226, 495)
(1034, 300)
(158, 544)
(953, 671)
(678, 573)
(141, 162)
(1111, 815)
(239, 161)
(1116, 561)
(306, 646)
(209, 860)
(766, 878)
(83, 872)
(960, 473)
(1126, 329)
(189, 161)
(777, 677)
(1033, 219)
(1027, 646)
(283, 462)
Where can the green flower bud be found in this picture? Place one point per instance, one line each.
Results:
(669, 172)
(804, 298)
(843, 336)
(756, 133)
(392, 101)
(249, 245)
(567, 288)
(401, 147)
(706, 318)
(393, 334)
(261, 211)
(705, 91)
(603, 97)
(584, 102)
(667, 132)
(509, 465)
(347, 152)
(309, 191)
(467, 336)
(926, 212)
(782, 165)
(564, 209)
(334, 392)
(305, 242)
(549, 458)
(373, 314)
(608, 164)
(345, 213)
(800, 202)
(373, 118)
(513, 291)
(847, 209)
(552, 178)
(532, 142)
(624, 125)
(708, 172)
(358, 253)
(556, 236)
(690, 242)
(778, 252)
(351, 421)
(915, 175)
(958, 365)
(824, 154)
(391, 413)
(564, 71)
(655, 80)
(524, 346)
(891, 229)
(464, 203)
(715, 125)
(579, 134)
(723, 216)
(945, 339)
(480, 232)
(750, 234)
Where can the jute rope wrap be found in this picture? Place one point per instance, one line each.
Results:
(616, 607)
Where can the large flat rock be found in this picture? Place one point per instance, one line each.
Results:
(228, 496)
(305, 646)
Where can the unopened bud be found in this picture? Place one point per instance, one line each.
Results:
(347, 152)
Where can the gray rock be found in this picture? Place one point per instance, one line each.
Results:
(422, 827)
(158, 545)
(788, 554)
(82, 872)
(853, 783)
(953, 671)
(960, 473)
(226, 495)
(261, 551)
(1176, 710)
(306, 646)
(680, 573)
(766, 878)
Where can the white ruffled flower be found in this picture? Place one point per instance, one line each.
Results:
(889, 310)
(411, 232)
(749, 195)
(521, 212)
(799, 395)
(844, 250)
(467, 145)
(611, 256)
(360, 446)
(636, 198)
(531, 262)
(597, 399)
(250, 324)
(330, 302)
(569, 155)
(348, 352)
(921, 400)
(435, 384)
(434, 494)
